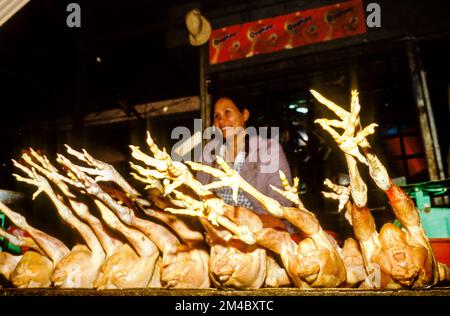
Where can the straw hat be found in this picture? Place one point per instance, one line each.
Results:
(198, 27)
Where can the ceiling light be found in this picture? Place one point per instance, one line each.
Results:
(302, 110)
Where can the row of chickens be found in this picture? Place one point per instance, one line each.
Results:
(181, 235)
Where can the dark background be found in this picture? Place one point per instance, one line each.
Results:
(48, 70)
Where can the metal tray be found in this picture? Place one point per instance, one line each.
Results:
(435, 291)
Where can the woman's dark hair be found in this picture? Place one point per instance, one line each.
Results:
(239, 98)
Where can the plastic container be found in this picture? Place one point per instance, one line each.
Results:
(16, 250)
(436, 222)
(441, 248)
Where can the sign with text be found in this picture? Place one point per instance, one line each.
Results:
(287, 31)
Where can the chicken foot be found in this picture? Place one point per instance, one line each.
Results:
(406, 257)
(329, 265)
(178, 266)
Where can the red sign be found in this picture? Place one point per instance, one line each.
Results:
(287, 31)
(225, 45)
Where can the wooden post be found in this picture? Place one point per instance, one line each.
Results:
(426, 118)
(205, 107)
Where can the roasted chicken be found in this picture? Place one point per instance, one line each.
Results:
(80, 267)
(399, 257)
(317, 262)
(35, 267)
(179, 234)
(232, 263)
(322, 267)
(180, 267)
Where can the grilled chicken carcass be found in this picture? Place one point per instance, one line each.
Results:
(390, 261)
(132, 265)
(124, 267)
(403, 257)
(317, 261)
(182, 268)
(33, 269)
(323, 266)
(129, 265)
(80, 267)
(276, 275)
(354, 263)
(8, 263)
(232, 263)
(351, 251)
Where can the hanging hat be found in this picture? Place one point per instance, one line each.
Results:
(198, 27)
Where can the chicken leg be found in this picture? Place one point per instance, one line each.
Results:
(109, 243)
(53, 248)
(328, 267)
(180, 269)
(80, 267)
(405, 258)
(32, 269)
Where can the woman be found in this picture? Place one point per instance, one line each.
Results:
(257, 159)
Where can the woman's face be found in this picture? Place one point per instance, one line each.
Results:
(228, 118)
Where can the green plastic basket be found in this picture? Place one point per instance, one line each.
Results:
(436, 222)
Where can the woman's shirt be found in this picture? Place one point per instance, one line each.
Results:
(226, 193)
(255, 168)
